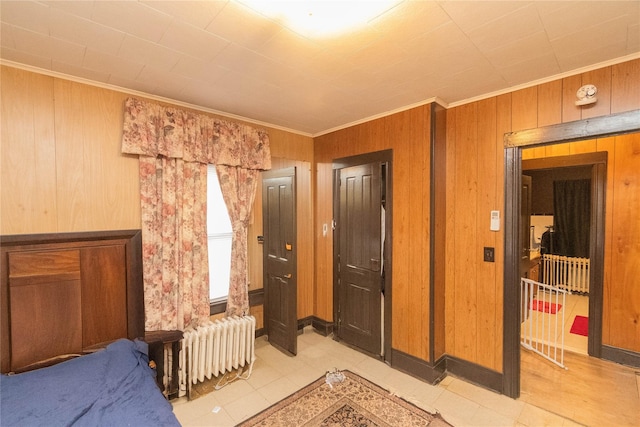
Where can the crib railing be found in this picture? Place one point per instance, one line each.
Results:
(568, 273)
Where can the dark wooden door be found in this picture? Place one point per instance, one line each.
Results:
(360, 257)
(280, 282)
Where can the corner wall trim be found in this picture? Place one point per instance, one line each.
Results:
(480, 375)
(419, 368)
(323, 327)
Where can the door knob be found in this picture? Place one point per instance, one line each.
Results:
(288, 276)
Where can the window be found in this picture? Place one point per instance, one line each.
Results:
(219, 234)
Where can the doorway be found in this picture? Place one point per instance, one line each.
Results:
(560, 235)
(362, 252)
(514, 143)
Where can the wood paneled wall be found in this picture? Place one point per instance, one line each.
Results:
(473, 287)
(407, 134)
(475, 186)
(62, 169)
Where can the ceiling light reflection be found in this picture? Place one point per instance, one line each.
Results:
(318, 18)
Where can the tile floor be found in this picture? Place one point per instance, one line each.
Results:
(276, 376)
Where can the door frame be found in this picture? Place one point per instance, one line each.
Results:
(514, 142)
(386, 157)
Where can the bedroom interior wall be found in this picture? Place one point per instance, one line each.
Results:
(474, 288)
(62, 169)
(407, 133)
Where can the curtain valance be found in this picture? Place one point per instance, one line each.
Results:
(155, 130)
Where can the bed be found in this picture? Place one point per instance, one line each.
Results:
(72, 347)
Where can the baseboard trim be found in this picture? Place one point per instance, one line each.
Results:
(622, 356)
(418, 368)
(323, 327)
(434, 373)
(477, 374)
(302, 323)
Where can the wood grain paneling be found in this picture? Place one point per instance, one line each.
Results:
(524, 108)
(92, 175)
(488, 311)
(465, 231)
(466, 274)
(503, 125)
(624, 245)
(61, 164)
(601, 78)
(407, 134)
(550, 103)
(323, 292)
(570, 111)
(625, 90)
(28, 153)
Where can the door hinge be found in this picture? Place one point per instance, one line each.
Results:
(333, 224)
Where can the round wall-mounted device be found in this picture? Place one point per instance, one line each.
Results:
(586, 95)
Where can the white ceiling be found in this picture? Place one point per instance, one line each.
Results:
(223, 57)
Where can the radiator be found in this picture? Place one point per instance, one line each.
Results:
(569, 273)
(216, 348)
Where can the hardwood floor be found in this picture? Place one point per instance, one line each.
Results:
(591, 391)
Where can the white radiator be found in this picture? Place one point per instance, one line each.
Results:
(569, 273)
(216, 348)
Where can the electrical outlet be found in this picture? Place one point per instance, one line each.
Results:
(489, 254)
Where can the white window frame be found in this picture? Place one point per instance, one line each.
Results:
(219, 236)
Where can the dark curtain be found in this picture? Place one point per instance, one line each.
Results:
(572, 215)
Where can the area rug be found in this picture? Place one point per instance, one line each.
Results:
(580, 326)
(545, 306)
(352, 402)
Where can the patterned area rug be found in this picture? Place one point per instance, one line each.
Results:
(353, 402)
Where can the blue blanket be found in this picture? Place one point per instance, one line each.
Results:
(112, 387)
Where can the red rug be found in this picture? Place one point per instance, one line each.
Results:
(545, 306)
(580, 326)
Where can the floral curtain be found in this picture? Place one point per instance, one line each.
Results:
(238, 189)
(174, 147)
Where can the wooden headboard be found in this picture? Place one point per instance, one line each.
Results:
(68, 293)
